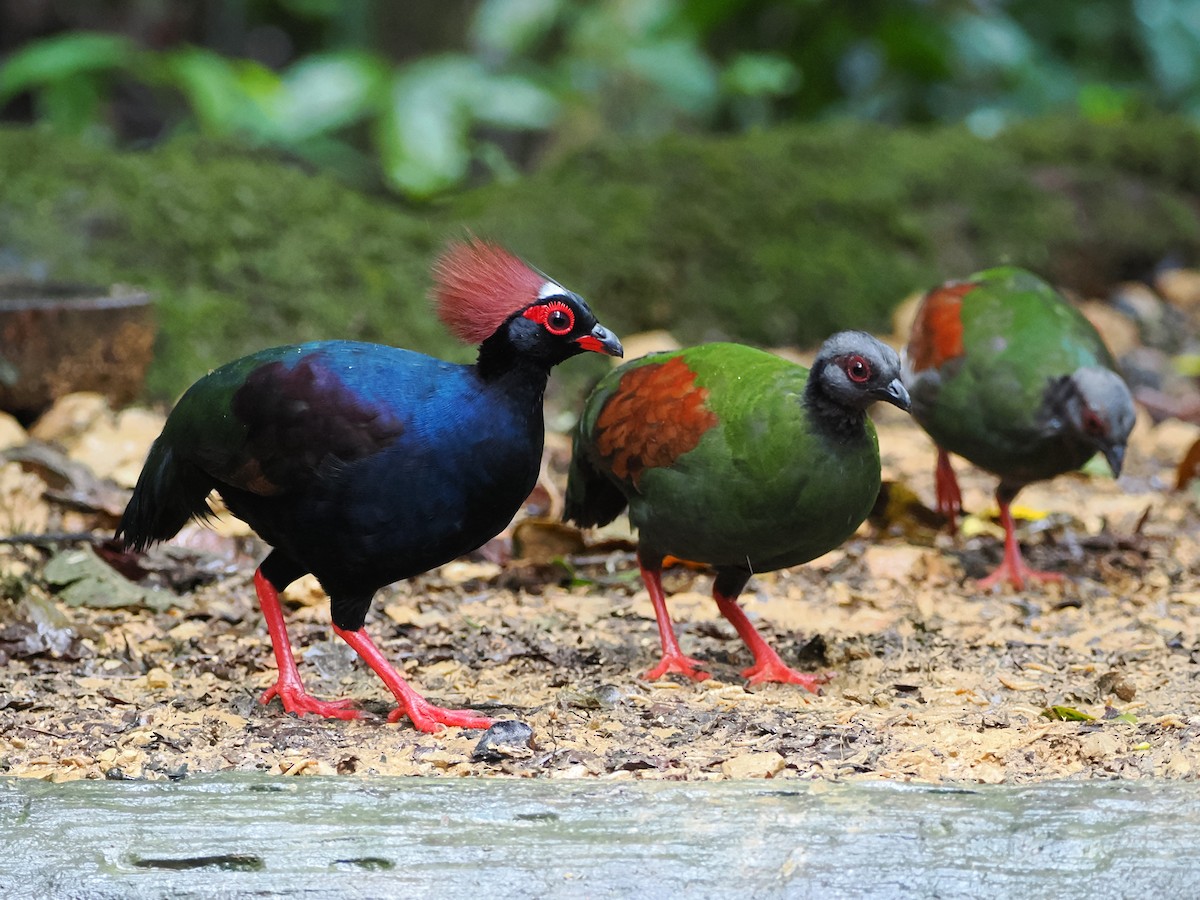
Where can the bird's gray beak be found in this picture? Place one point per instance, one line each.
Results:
(1115, 454)
(896, 394)
(601, 340)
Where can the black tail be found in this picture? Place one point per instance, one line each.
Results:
(592, 498)
(169, 492)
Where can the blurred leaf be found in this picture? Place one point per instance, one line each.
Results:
(1105, 103)
(227, 96)
(58, 58)
(1171, 37)
(511, 27)
(1187, 364)
(1066, 714)
(72, 105)
(81, 578)
(990, 43)
(545, 540)
(326, 92)
(512, 101)
(1096, 467)
(761, 74)
(679, 68)
(423, 135)
(899, 505)
(1189, 467)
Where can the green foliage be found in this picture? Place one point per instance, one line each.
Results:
(1066, 714)
(567, 71)
(774, 238)
(785, 236)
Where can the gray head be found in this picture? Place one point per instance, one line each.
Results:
(854, 370)
(1100, 411)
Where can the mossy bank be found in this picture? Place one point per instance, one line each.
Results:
(775, 238)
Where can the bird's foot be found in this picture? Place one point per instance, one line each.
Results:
(429, 718)
(298, 701)
(777, 671)
(1016, 573)
(678, 664)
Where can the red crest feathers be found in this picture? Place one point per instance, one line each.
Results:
(937, 334)
(477, 285)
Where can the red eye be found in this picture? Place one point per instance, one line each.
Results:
(556, 317)
(858, 369)
(1093, 425)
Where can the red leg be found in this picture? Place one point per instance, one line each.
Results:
(1013, 568)
(767, 664)
(288, 687)
(949, 497)
(425, 716)
(673, 659)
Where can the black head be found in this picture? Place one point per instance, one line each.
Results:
(853, 370)
(1097, 407)
(556, 327)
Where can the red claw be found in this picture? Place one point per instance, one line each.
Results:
(1013, 569)
(1017, 574)
(299, 702)
(768, 667)
(778, 672)
(429, 718)
(424, 715)
(677, 664)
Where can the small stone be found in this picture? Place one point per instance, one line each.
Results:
(505, 739)
(71, 416)
(1119, 331)
(158, 679)
(1180, 287)
(894, 563)
(1114, 682)
(441, 759)
(11, 432)
(753, 765)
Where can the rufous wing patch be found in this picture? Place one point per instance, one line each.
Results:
(937, 333)
(657, 414)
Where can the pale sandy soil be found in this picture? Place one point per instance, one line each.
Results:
(932, 679)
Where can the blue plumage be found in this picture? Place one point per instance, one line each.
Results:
(364, 464)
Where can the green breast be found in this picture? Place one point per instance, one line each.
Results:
(765, 486)
(1018, 336)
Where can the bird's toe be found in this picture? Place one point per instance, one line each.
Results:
(1017, 576)
(779, 673)
(300, 702)
(431, 719)
(677, 664)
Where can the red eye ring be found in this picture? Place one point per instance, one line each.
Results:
(858, 369)
(556, 317)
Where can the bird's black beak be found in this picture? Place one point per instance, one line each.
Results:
(601, 340)
(1115, 454)
(894, 393)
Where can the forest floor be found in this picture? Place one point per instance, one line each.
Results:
(931, 678)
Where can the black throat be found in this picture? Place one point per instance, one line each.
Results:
(519, 375)
(836, 420)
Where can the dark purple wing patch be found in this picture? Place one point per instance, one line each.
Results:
(300, 420)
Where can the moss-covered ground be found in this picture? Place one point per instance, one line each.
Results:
(776, 238)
